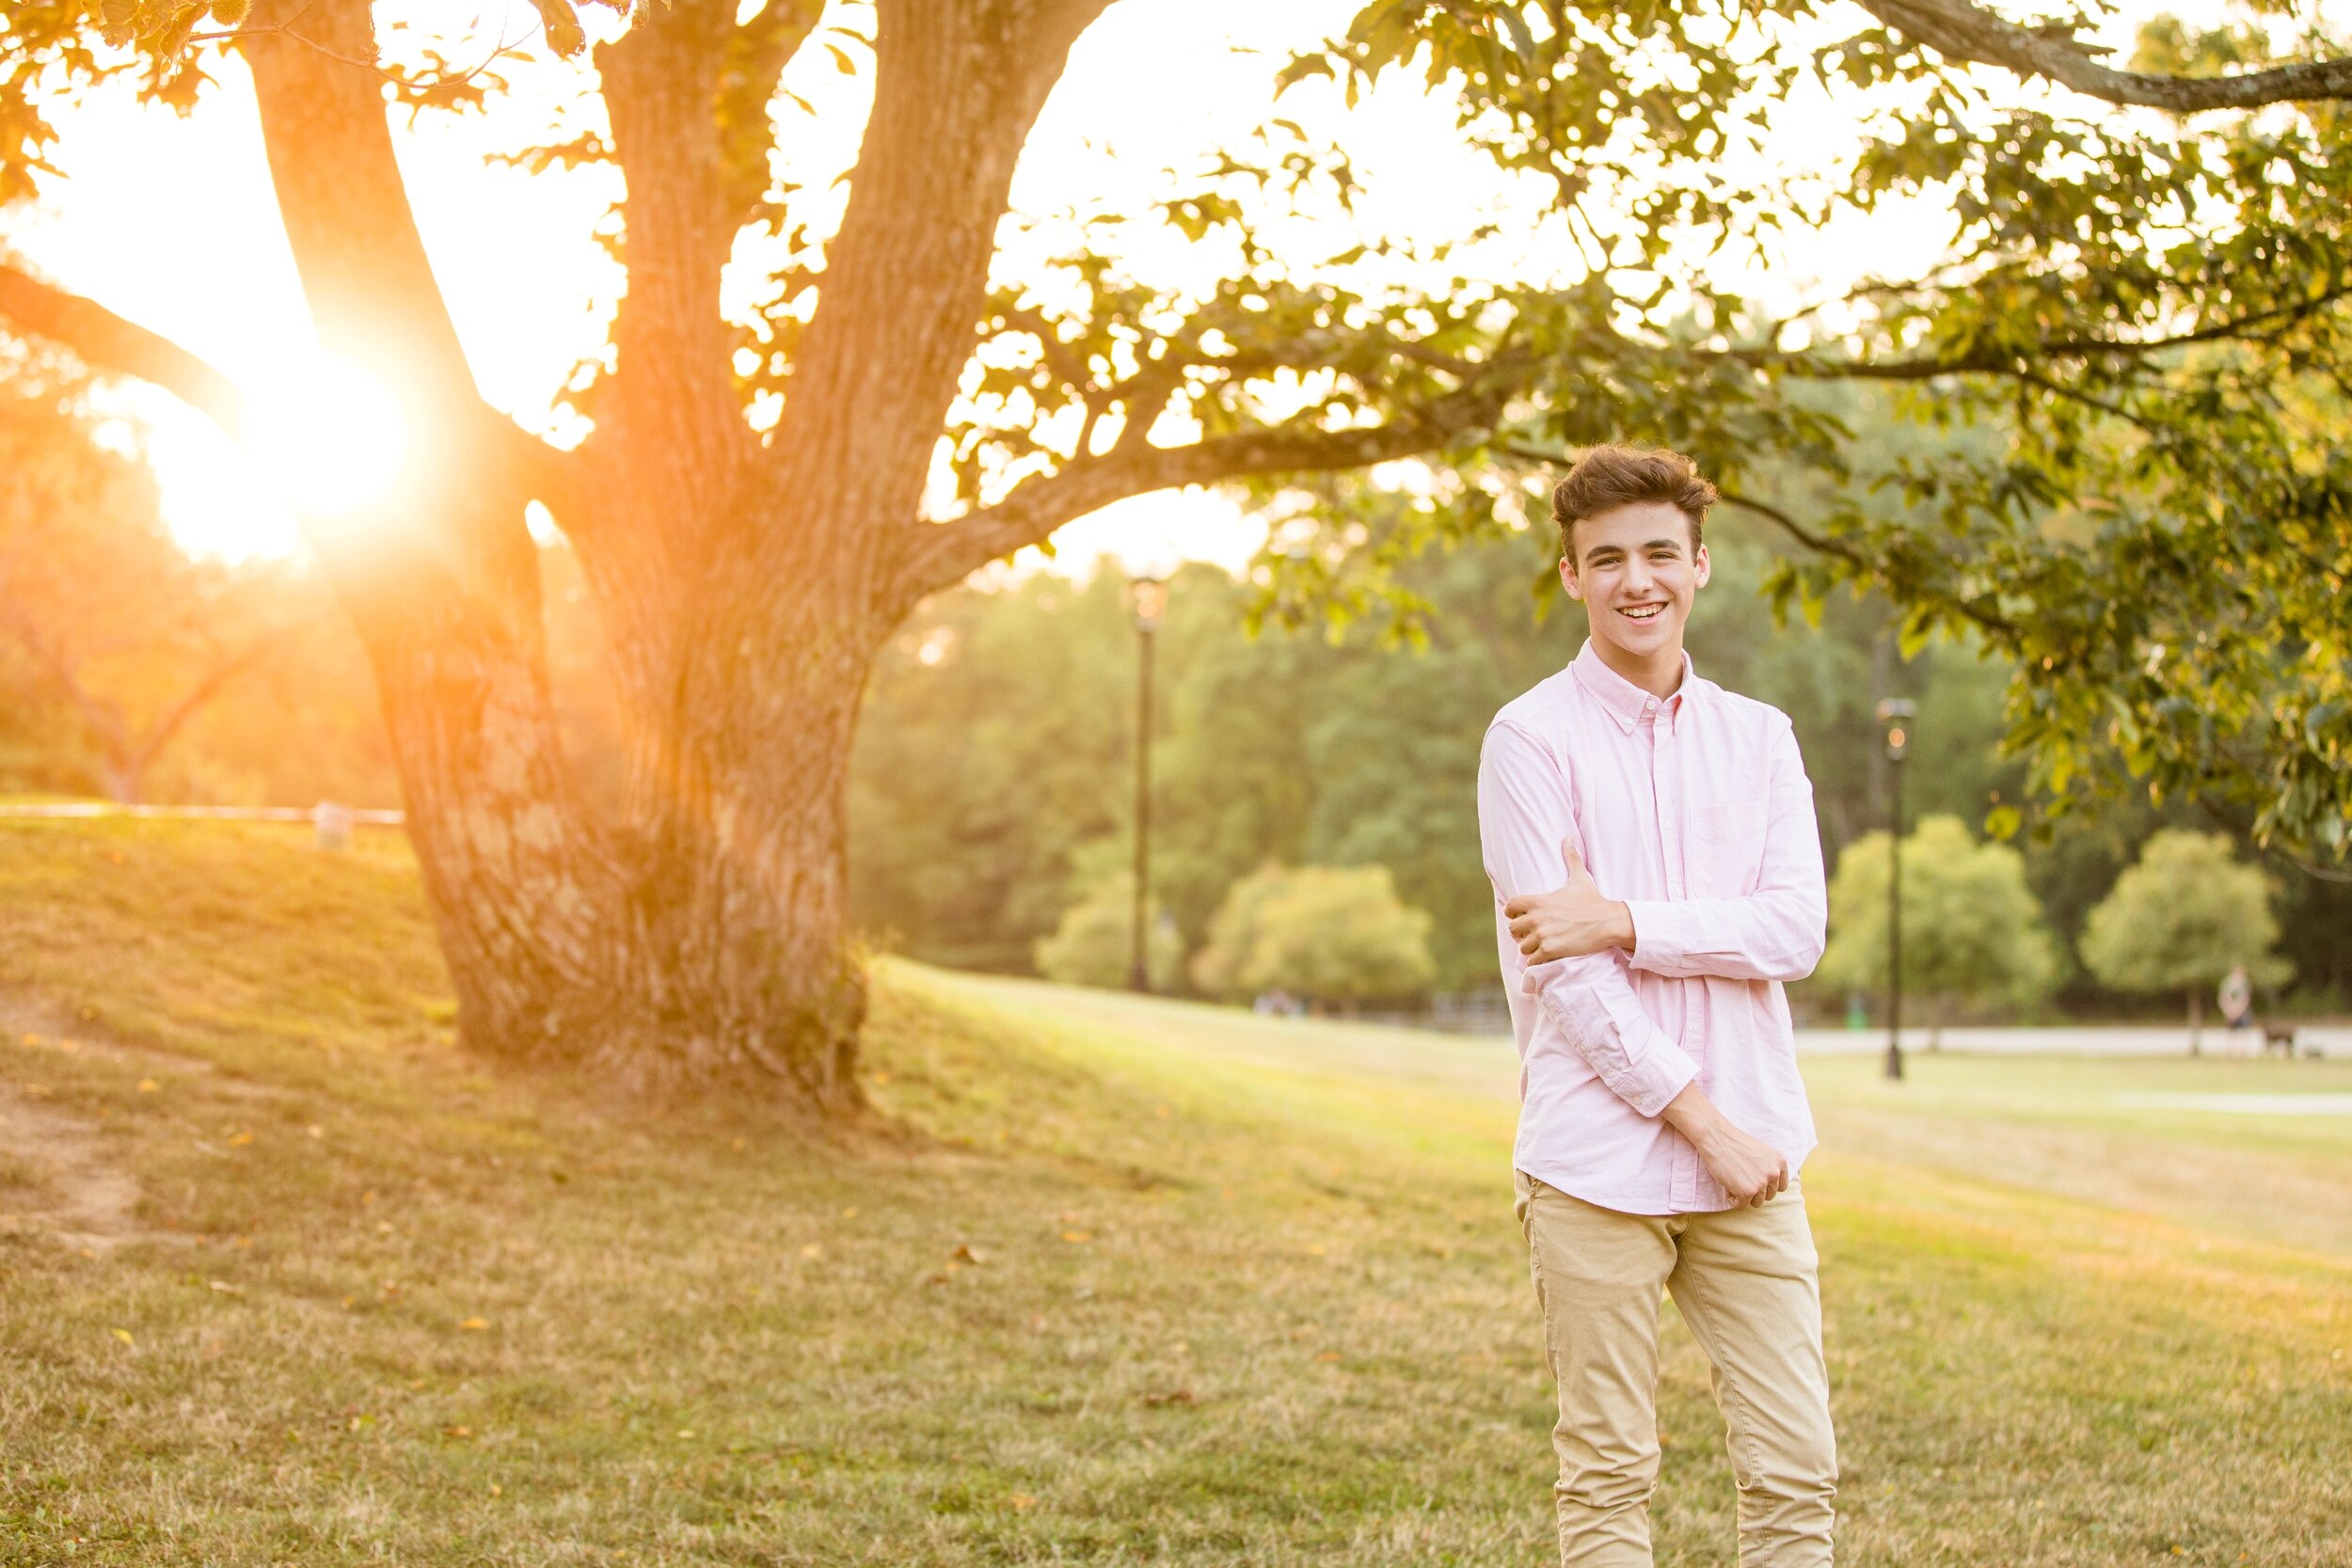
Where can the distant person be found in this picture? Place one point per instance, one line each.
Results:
(1657, 876)
(2236, 998)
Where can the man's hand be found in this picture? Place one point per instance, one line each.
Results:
(1748, 1170)
(1569, 922)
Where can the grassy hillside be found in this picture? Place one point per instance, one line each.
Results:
(288, 1280)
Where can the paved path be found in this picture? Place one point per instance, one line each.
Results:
(2332, 1041)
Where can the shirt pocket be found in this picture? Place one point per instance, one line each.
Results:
(1726, 852)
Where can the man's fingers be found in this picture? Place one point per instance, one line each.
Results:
(1569, 858)
(1518, 906)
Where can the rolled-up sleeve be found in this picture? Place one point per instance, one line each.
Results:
(1774, 934)
(1524, 812)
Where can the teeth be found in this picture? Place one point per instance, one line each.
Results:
(1647, 613)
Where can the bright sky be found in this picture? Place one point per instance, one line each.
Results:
(171, 223)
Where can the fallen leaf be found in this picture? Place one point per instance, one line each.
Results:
(124, 1335)
(850, 1213)
(688, 1432)
(812, 1250)
(497, 1491)
(475, 1323)
(1078, 1236)
(1329, 1355)
(936, 1279)
(239, 1140)
(1022, 1502)
(224, 1288)
(1174, 1396)
(457, 1431)
(148, 1085)
(965, 1253)
(315, 1131)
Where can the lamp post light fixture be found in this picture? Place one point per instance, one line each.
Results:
(1151, 603)
(1896, 714)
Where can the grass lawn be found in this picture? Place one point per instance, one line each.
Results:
(283, 1278)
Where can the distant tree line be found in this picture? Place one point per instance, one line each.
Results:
(991, 791)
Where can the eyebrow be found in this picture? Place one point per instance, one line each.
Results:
(1666, 542)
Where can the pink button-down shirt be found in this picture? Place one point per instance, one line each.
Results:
(1695, 809)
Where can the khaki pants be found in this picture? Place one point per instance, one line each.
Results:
(1745, 1280)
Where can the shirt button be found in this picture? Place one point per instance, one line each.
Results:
(1650, 707)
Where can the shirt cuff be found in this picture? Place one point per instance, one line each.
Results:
(1656, 1078)
(1663, 936)
(1641, 1066)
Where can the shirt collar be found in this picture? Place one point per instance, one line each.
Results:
(1620, 698)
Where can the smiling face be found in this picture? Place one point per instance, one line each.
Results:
(1636, 572)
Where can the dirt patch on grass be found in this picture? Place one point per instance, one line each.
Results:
(56, 1178)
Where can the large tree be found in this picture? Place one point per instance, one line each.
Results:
(747, 572)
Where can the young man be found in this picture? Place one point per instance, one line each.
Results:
(1658, 876)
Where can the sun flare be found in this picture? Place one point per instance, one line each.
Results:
(330, 435)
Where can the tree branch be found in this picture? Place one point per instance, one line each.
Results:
(1822, 544)
(1963, 31)
(670, 407)
(107, 343)
(937, 556)
(956, 91)
(209, 686)
(2256, 325)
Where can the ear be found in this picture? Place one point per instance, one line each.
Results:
(1700, 567)
(1569, 581)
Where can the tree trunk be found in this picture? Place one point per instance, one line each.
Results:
(2196, 1021)
(701, 939)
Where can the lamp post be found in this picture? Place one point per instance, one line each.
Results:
(1151, 601)
(1894, 713)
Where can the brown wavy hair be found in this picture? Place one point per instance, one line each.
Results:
(1609, 477)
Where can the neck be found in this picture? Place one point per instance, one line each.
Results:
(1658, 673)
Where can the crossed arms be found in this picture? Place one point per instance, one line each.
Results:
(1582, 946)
